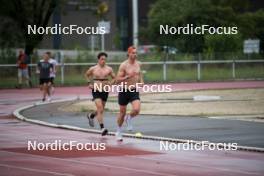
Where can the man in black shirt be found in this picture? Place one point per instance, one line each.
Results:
(44, 68)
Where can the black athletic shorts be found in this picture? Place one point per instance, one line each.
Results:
(44, 80)
(102, 95)
(127, 96)
(52, 80)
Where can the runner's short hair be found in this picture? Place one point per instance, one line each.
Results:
(130, 49)
(101, 54)
(48, 53)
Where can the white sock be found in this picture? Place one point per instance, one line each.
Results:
(118, 129)
(128, 117)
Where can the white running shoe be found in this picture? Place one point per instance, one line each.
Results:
(119, 136)
(128, 120)
(49, 99)
(90, 117)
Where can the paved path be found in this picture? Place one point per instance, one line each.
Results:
(191, 128)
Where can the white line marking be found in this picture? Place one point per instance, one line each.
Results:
(21, 117)
(195, 165)
(35, 170)
(96, 164)
(150, 159)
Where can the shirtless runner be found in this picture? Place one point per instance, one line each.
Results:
(129, 74)
(98, 76)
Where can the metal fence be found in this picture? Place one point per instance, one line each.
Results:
(172, 71)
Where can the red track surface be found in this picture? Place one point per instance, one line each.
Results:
(131, 157)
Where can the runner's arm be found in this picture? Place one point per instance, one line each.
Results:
(55, 65)
(113, 76)
(38, 68)
(141, 76)
(51, 68)
(121, 75)
(88, 75)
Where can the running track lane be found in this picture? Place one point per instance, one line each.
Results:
(131, 157)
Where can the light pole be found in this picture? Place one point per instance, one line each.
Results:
(135, 22)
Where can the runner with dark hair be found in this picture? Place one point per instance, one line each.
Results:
(97, 76)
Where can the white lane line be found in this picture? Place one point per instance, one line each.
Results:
(150, 159)
(34, 170)
(155, 138)
(97, 164)
(195, 165)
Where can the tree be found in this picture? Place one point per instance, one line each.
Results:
(223, 43)
(182, 12)
(252, 26)
(29, 12)
(22, 13)
(210, 12)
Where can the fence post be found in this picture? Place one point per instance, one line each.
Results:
(234, 69)
(165, 65)
(62, 67)
(164, 71)
(199, 68)
(102, 42)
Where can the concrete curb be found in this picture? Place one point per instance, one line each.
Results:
(17, 114)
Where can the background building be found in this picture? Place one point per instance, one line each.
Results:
(76, 12)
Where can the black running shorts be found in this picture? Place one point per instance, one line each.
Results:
(101, 95)
(44, 80)
(127, 96)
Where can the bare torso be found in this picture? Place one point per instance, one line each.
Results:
(131, 69)
(100, 75)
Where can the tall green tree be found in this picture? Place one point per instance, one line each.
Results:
(251, 25)
(209, 12)
(18, 14)
(223, 43)
(28, 12)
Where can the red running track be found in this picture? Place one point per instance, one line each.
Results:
(130, 157)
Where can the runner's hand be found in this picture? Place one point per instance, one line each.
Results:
(131, 75)
(90, 85)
